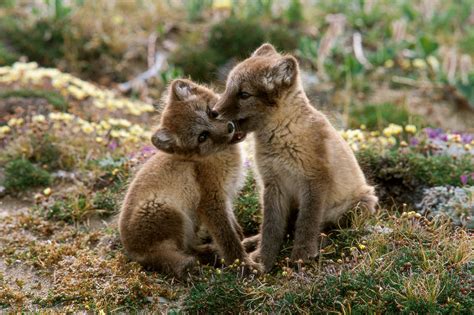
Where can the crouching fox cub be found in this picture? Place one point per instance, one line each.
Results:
(302, 160)
(189, 183)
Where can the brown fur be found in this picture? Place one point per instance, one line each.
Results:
(301, 159)
(186, 185)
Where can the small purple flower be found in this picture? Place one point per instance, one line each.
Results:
(247, 163)
(113, 145)
(463, 179)
(148, 149)
(467, 138)
(433, 133)
(414, 142)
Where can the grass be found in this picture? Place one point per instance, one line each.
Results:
(247, 207)
(21, 174)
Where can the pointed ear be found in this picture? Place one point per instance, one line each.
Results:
(285, 71)
(265, 50)
(163, 140)
(182, 90)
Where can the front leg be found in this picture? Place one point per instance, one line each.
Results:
(214, 215)
(308, 223)
(275, 214)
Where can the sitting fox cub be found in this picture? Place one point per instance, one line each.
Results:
(302, 160)
(190, 181)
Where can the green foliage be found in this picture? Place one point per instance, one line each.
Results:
(402, 177)
(467, 89)
(236, 38)
(247, 207)
(21, 174)
(427, 45)
(225, 294)
(7, 57)
(198, 62)
(42, 41)
(231, 39)
(294, 12)
(195, 8)
(106, 201)
(54, 98)
(377, 117)
(466, 43)
(45, 152)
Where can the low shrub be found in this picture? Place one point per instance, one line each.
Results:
(21, 174)
(402, 177)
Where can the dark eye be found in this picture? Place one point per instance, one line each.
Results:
(203, 136)
(244, 95)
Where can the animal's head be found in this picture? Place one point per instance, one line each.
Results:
(188, 125)
(255, 87)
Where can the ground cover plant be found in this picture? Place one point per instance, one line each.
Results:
(73, 132)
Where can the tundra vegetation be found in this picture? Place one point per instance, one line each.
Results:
(78, 81)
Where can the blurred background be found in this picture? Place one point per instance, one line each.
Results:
(364, 62)
(80, 84)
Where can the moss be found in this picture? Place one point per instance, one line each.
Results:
(21, 174)
(54, 98)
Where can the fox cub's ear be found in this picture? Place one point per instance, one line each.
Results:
(182, 90)
(163, 140)
(265, 50)
(283, 73)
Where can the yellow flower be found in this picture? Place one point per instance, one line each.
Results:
(361, 247)
(403, 143)
(221, 4)
(99, 139)
(419, 63)
(389, 63)
(433, 62)
(16, 122)
(47, 191)
(5, 129)
(115, 134)
(410, 129)
(363, 127)
(87, 128)
(38, 118)
(392, 129)
(405, 63)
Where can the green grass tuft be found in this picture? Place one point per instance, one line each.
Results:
(21, 175)
(247, 207)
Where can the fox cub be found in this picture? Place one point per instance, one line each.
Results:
(302, 160)
(188, 184)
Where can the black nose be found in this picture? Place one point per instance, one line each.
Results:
(230, 127)
(214, 114)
